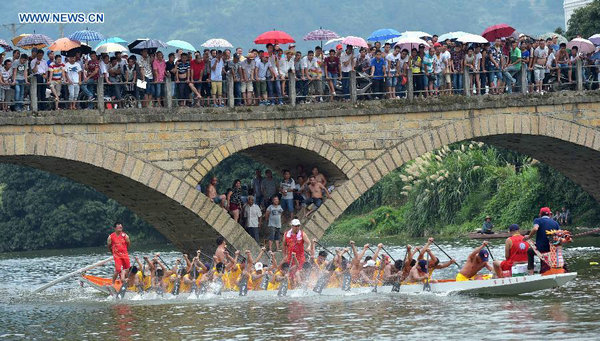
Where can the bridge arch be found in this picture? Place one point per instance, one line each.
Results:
(170, 204)
(279, 149)
(535, 135)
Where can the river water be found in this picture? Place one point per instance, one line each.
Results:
(72, 312)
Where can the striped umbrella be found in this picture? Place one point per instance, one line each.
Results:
(86, 35)
(321, 34)
(35, 40)
(4, 44)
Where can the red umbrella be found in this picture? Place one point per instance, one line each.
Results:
(497, 31)
(274, 37)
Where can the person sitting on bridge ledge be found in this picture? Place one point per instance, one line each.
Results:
(211, 192)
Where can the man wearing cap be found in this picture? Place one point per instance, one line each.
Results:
(477, 260)
(540, 226)
(294, 240)
(515, 251)
(418, 272)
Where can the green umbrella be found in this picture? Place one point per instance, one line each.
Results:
(561, 39)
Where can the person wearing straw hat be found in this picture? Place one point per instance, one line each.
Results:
(487, 227)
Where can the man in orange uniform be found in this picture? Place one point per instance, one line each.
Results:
(118, 242)
(515, 251)
(294, 243)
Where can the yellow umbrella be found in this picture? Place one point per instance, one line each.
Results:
(18, 38)
(64, 44)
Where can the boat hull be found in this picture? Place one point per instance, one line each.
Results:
(509, 286)
(499, 235)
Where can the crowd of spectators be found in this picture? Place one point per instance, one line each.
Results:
(262, 77)
(267, 204)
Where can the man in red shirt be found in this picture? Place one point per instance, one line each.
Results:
(197, 66)
(515, 250)
(294, 243)
(118, 242)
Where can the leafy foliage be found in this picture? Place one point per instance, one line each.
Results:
(40, 210)
(450, 191)
(585, 21)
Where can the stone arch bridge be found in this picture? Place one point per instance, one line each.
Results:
(151, 160)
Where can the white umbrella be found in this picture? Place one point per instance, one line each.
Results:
(451, 35)
(334, 40)
(583, 45)
(410, 43)
(414, 34)
(471, 38)
(110, 48)
(217, 42)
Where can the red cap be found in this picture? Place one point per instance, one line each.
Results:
(266, 54)
(338, 46)
(545, 210)
(437, 45)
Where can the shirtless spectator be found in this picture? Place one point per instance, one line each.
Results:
(320, 177)
(211, 192)
(316, 194)
(221, 251)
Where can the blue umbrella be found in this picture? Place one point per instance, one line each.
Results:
(180, 44)
(86, 35)
(595, 56)
(383, 34)
(1, 50)
(115, 40)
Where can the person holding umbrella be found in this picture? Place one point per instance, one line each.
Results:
(147, 75)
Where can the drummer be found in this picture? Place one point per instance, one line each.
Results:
(515, 251)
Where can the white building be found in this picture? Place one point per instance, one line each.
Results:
(570, 6)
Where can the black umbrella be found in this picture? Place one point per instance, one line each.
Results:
(146, 44)
(83, 49)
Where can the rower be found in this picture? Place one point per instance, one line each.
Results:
(357, 262)
(515, 252)
(392, 272)
(118, 242)
(418, 272)
(477, 260)
(540, 226)
(221, 250)
(134, 279)
(434, 262)
(368, 272)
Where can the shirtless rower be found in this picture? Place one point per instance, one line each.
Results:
(118, 242)
(211, 192)
(367, 274)
(316, 189)
(418, 272)
(221, 251)
(434, 262)
(477, 260)
(357, 262)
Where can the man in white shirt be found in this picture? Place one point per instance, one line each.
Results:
(253, 214)
(216, 79)
(392, 62)
(39, 68)
(540, 57)
(347, 61)
(73, 78)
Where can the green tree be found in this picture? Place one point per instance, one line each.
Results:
(585, 21)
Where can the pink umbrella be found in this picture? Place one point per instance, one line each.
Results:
(497, 31)
(583, 45)
(411, 43)
(355, 41)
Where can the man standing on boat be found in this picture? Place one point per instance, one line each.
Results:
(515, 251)
(294, 240)
(118, 242)
(542, 244)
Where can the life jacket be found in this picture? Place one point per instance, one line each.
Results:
(169, 283)
(233, 276)
(273, 284)
(518, 250)
(295, 243)
(118, 244)
(134, 287)
(183, 286)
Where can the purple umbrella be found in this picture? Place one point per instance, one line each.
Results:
(5, 45)
(595, 39)
(321, 34)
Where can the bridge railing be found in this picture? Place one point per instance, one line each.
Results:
(354, 86)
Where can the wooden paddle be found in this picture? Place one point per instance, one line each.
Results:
(444, 252)
(71, 274)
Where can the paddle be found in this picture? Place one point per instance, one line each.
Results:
(283, 287)
(398, 283)
(324, 279)
(392, 258)
(162, 260)
(426, 285)
(376, 280)
(177, 283)
(324, 248)
(586, 233)
(265, 281)
(71, 274)
(444, 252)
(490, 252)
